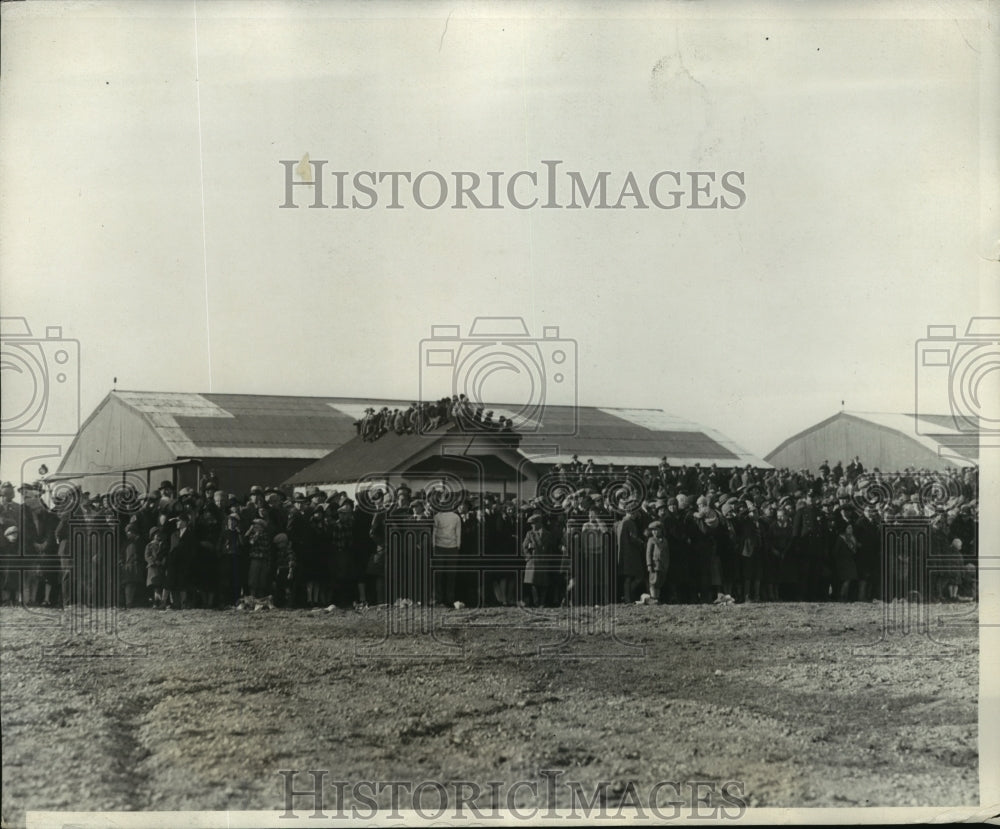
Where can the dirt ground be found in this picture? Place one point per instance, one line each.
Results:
(805, 704)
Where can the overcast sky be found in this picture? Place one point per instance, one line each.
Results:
(140, 147)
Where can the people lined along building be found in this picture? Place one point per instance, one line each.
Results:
(426, 417)
(681, 534)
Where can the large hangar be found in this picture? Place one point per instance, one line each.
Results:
(268, 439)
(245, 439)
(886, 440)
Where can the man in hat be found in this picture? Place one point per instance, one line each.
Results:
(187, 499)
(403, 497)
(727, 542)
(181, 555)
(10, 546)
(299, 534)
(751, 541)
(675, 530)
(167, 495)
(37, 524)
(10, 510)
(343, 559)
(398, 422)
(211, 481)
(209, 523)
(251, 509)
(361, 548)
(712, 535)
(808, 539)
(148, 514)
(370, 526)
(631, 553)
(467, 585)
(277, 515)
(868, 533)
(67, 506)
(786, 570)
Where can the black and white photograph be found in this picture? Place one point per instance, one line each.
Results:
(478, 413)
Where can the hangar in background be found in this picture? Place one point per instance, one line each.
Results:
(245, 439)
(886, 440)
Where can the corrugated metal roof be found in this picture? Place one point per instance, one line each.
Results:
(250, 425)
(358, 459)
(282, 426)
(627, 437)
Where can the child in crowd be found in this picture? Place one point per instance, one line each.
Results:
(156, 567)
(259, 542)
(284, 574)
(657, 561)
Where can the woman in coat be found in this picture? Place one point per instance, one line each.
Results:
(713, 530)
(845, 550)
(208, 531)
(537, 544)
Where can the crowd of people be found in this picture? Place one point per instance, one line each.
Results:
(589, 535)
(426, 417)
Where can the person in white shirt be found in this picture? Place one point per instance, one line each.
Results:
(447, 541)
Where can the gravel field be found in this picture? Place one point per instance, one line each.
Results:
(804, 704)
